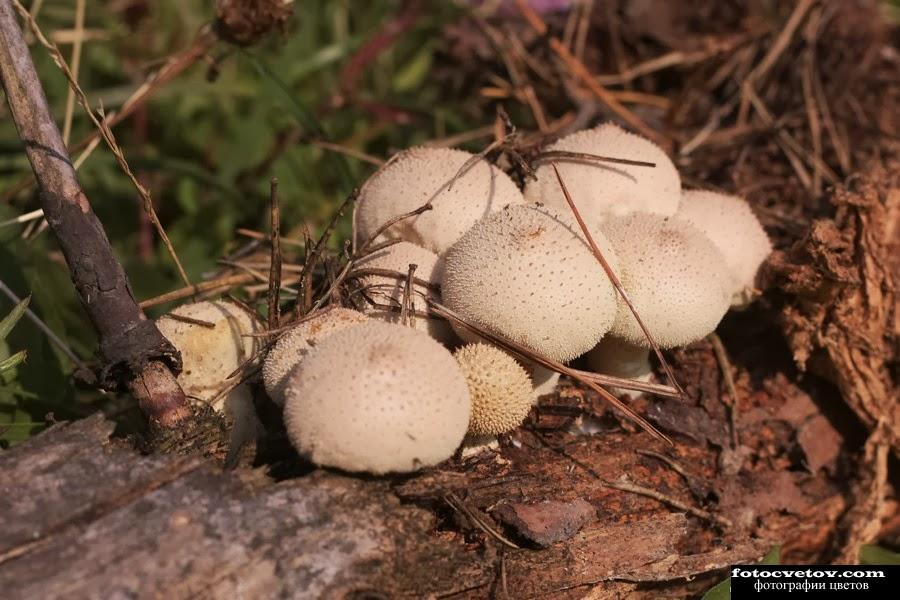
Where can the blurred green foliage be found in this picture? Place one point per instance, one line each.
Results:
(199, 147)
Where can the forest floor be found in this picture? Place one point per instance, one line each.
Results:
(791, 432)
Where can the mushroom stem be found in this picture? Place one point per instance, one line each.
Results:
(613, 356)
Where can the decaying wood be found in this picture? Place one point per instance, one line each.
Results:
(131, 347)
(84, 516)
(843, 284)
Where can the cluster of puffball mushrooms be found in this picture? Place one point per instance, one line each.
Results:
(389, 387)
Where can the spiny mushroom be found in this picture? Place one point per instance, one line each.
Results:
(213, 342)
(499, 387)
(529, 275)
(419, 175)
(293, 346)
(388, 292)
(603, 189)
(737, 233)
(377, 398)
(678, 282)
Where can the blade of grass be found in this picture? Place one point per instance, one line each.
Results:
(13, 361)
(10, 320)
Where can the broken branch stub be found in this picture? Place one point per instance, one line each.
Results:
(132, 349)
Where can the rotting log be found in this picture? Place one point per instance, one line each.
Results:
(84, 516)
(132, 349)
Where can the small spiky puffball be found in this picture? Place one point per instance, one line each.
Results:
(500, 389)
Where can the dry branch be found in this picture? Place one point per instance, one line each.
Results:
(132, 349)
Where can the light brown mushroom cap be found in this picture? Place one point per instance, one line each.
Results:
(499, 387)
(377, 398)
(529, 275)
(418, 175)
(294, 344)
(674, 275)
(737, 233)
(602, 189)
(210, 354)
(389, 291)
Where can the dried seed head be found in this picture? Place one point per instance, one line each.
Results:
(389, 291)
(602, 189)
(210, 354)
(418, 175)
(737, 233)
(500, 389)
(674, 275)
(293, 346)
(377, 398)
(529, 275)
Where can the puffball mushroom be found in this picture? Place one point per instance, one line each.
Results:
(210, 354)
(529, 275)
(418, 175)
(499, 387)
(603, 189)
(293, 346)
(677, 280)
(377, 398)
(389, 291)
(737, 233)
(543, 380)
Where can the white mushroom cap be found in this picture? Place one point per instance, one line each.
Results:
(294, 344)
(674, 275)
(602, 189)
(613, 356)
(389, 291)
(530, 276)
(734, 229)
(544, 381)
(377, 398)
(499, 387)
(416, 175)
(210, 354)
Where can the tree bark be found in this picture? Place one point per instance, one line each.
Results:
(132, 349)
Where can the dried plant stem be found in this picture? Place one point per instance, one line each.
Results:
(106, 134)
(366, 247)
(258, 235)
(76, 67)
(725, 366)
(304, 302)
(275, 260)
(199, 288)
(564, 156)
(458, 505)
(132, 349)
(631, 384)
(408, 296)
(351, 152)
(615, 281)
(627, 486)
